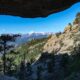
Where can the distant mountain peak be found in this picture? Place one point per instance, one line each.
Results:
(43, 33)
(32, 35)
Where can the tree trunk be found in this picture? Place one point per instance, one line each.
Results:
(4, 59)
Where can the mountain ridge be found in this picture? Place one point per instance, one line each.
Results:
(56, 57)
(32, 35)
(66, 41)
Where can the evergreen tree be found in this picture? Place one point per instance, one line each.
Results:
(9, 64)
(51, 63)
(6, 46)
(39, 69)
(50, 67)
(64, 63)
(22, 71)
(29, 69)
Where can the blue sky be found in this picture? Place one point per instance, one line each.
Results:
(53, 23)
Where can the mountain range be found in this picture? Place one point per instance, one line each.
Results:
(59, 58)
(30, 36)
(49, 56)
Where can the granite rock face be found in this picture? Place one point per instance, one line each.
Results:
(66, 41)
(75, 26)
(33, 8)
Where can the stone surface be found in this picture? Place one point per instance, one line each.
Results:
(33, 8)
(68, 28)
(66, 41)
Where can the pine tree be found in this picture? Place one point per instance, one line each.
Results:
(6, 46)
(29, 69)
(22, 71)
(64, 63)
(39, 69)
(9, 64)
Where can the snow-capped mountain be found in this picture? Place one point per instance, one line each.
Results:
(29, 36)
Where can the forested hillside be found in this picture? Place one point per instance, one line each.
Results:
(56, 57)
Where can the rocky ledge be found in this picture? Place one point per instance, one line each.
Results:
(66, 41)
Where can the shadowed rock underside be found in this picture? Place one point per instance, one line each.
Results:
(33, 8)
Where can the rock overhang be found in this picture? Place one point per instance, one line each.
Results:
(33, 8)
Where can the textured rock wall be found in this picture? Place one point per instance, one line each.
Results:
(66, 41)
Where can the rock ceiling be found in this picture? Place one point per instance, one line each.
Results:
(33, 8)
